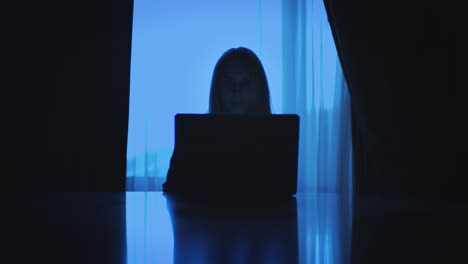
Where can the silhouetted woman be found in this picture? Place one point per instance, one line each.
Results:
(238, 86)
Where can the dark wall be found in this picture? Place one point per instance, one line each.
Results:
(70, 120)
(402, 64)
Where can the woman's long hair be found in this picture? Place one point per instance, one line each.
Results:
(248, 59)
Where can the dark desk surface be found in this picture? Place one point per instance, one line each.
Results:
(149, 227)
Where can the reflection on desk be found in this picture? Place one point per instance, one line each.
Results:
(302, 229)
(151, 228)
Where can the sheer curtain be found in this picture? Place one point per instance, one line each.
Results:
(314, 88)
(174, 49)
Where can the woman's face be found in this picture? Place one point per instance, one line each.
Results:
(236, 89)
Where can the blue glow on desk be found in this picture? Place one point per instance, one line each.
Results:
(149, 230)
(323, 232)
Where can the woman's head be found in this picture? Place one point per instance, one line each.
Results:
(239, 84)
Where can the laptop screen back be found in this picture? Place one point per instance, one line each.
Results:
(237, 153)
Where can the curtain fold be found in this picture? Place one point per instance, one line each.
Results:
(315, 89)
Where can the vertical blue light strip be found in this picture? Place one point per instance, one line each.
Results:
(260, 25)
(145, 233)
(149, 232)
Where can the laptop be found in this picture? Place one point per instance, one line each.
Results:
(237, 154)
